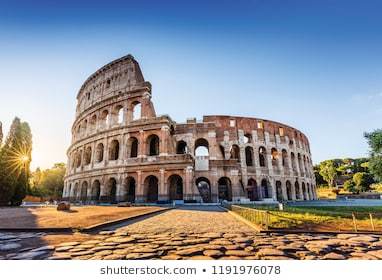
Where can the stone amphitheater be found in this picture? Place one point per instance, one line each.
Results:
(122, 151)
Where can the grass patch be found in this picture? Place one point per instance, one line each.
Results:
(324, 218)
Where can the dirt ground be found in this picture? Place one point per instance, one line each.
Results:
(77, 217)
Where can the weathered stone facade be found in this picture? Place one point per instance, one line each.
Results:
(122, 151)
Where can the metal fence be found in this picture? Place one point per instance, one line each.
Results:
(260, 218)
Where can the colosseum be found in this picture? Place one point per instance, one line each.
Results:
(122, 151)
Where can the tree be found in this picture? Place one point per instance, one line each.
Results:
(349, 186)
(328, 171)
(363, 181)
(49, 182)
(374, 140)
(319, 179)
(15, 158)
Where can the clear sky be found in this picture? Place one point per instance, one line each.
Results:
(315, 65)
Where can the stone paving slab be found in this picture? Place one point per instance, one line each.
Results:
(198, 234)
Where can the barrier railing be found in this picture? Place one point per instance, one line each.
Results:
(260, 218)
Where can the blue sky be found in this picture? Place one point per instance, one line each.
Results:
(315, 65)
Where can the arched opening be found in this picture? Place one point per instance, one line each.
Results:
(201, 148)
(151, 189)
(289, 190)
(99, 152)
(114, 150)
(222, 150)
(297, 189)
(69, 191)
(93, 123)
(275, 156)
(88, 155)
(119, 114)
(76, 191)
(132, 147)
(309, 191)
(265, 191)
(304, 195)
(204, 187)
(130, 186)
(181, 147)
(252, 190)
(105, 118)
(175, 183)
(235, 152)
(153, 145)
(85, 127)
(112, 187)
(247, 138)
(224, 189)
(96, 191)
(262, 157)
(293, 159)
(284, 154)
(84, 191)
(79, 158)
(137, 111)
(249, 156)
(300, 167)
(279, 191)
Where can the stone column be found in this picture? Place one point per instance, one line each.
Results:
(140, 188)
(162, 188)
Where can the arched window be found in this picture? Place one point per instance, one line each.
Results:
(114, 150)
(105, 118)
(247, 138)
(284, 158)
(181, 147)
(79, 158)
(153, 145)
(289, 190)
(275, 156)
(88, 155)
(133, 147)
(119, 114)
(99, 152)
(265, 190)
(249, 156)
(204, 187)
(293, 160)
(262, 156)
(201, 147)
(224, 189)
(93, 123)
(175, 183)
(137, 111)
(235, 152)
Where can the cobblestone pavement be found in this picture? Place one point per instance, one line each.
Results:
(197, 234)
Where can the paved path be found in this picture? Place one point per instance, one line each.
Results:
(196, 233)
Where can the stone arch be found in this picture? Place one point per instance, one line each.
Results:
(284, 155)
(249, 156)
(88, 155)
(279, 191)
(104, 118)
(119, 114)
(252, 191)
(93, 123)
(247, 138)
(132, 147)
(293, 159)
(112, 190)
(114, 150)
(79, 158)
(201, 147)
(224, 189)
(75, 191)
(153, 145)
(304, 194)
(265, 189)
(130, 189)
(99, 152)
(235, 152)
(137, 110)
(181, 147)
(175, 183)
(309, 191)
(262, 157)
(84, 191)
(275, 157)
(297, 189)
(204, 187)
(96, 191)
(289, 190)
(151, 185)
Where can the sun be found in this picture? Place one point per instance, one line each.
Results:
(18, 159)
